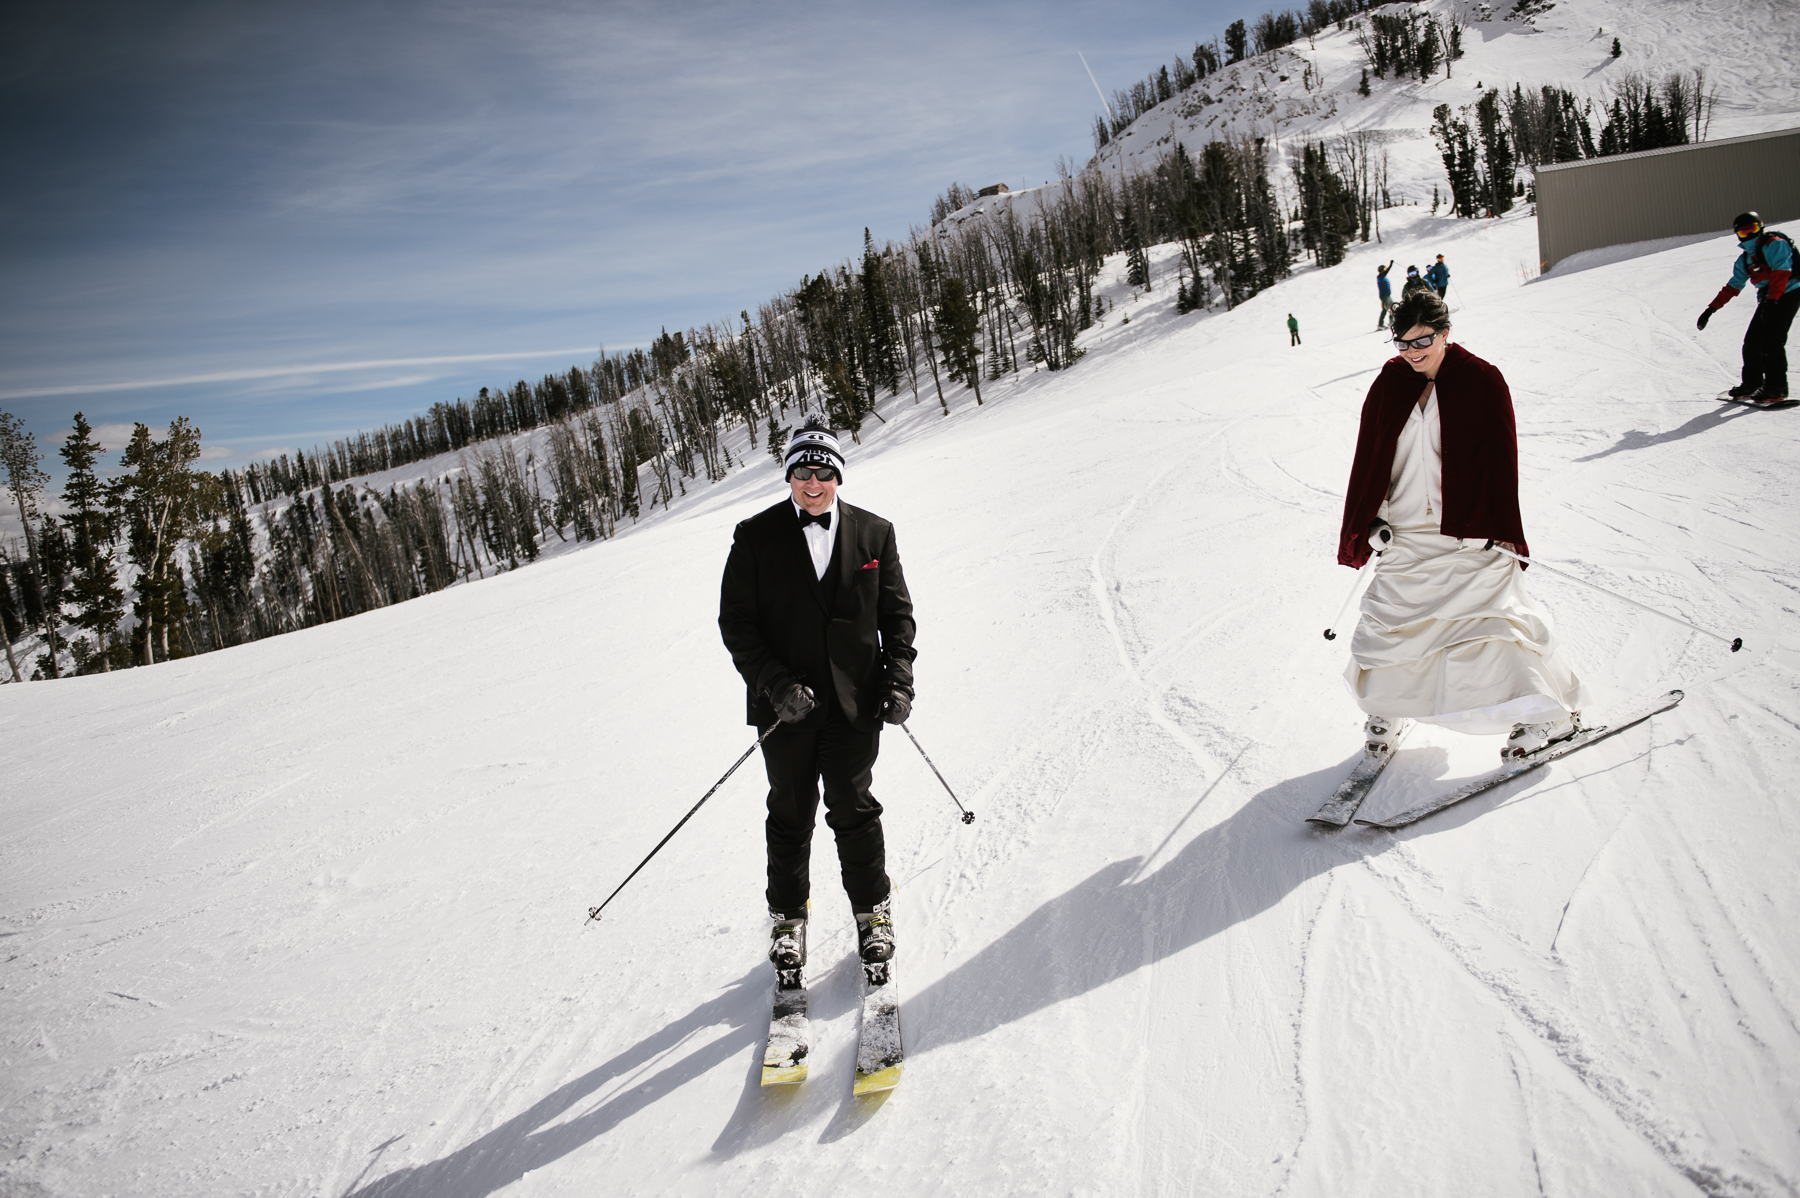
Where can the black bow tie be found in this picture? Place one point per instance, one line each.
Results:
(823, 520)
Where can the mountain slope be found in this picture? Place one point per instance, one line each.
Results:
(1309, 90)
(305, 916)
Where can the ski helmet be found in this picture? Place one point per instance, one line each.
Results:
(1747, 224)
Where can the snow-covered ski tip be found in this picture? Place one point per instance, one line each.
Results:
(879, 1052)
(1351, 792)
(1525, 765)
(784, 1059)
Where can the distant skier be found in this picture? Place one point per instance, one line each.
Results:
(815, 612)
(1293, 331)
(1413, 285)
(1386, 290)
(1448, 635)
(1767, 259)
(1439, 277)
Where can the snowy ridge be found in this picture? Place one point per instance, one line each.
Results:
(1309, 90)
(305, 916)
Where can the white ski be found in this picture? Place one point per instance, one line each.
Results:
(1525, 765)
(784, 1060)
(1351, 792)
(879, 1052)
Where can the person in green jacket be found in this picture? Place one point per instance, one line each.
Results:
(1293, 331)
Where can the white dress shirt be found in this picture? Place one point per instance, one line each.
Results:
(818, 539)
(1416, 495)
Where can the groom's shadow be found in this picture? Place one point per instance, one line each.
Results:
(1076, 942)
(536, 1138)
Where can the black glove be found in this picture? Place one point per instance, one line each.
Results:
(1381, 535)
(794, 704)
(1704, 317)
(897, 707)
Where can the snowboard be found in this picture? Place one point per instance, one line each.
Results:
(1726, 397)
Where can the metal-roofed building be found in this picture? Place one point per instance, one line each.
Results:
(1665, 193)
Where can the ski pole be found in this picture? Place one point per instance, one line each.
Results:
(594, 912)
(1736, 643)
(968, 817)
(1379, 530)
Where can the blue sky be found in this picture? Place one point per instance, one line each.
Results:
(289, 222)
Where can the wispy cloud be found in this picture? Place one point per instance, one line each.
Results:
(198, 188)
(300, 372)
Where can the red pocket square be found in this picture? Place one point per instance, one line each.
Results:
(874, 562)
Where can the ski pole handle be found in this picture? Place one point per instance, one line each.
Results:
(968, 817)
(1736, 643)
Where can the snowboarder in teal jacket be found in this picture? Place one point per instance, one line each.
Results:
(1293, 331)
(1767, 259)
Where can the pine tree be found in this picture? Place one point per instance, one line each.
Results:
(1237, 37)
(12, 624)
(163, 500)
(883, 354)
(53, 571)
(1137, 262)
(1426, 53)
(1616, 48)
(26, 480)
(958, 326)
(1362, 89)
(1496, 153)
(94, 584)
(1457, 148)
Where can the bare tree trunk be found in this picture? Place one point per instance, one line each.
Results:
(375, 589)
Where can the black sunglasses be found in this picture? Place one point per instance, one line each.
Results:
(825, 474)
(1416, 342)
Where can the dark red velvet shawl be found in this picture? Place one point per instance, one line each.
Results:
(1481, 452)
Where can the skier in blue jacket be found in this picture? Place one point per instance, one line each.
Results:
(1386, 290)
(1767, 259)
(1439, 277)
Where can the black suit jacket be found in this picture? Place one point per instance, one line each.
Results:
(850, 638)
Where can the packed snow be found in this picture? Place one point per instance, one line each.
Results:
(307, 916)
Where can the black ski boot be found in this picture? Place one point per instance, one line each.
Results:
(875, 940)
(1743, 390)
(1770, 392)
(787, 947)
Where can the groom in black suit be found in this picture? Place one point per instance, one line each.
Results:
(814, 611)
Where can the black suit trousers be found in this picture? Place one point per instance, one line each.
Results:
(798, 758)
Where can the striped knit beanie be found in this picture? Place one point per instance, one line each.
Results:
(813, 445)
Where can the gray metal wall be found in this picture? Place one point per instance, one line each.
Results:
(1665, 193)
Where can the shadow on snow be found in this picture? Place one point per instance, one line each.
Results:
(1077, 942)
(1638, 439)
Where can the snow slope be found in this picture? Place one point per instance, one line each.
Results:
(1309, 90)
(305, 916)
